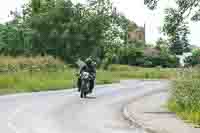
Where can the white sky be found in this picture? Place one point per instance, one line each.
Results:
(133, 9)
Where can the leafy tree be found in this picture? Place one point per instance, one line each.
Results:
(177, 31)
(176, 26)
(187, 8)
(71, 31)
(162, 44)
(63, 29)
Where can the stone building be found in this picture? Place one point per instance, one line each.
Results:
(136, 33)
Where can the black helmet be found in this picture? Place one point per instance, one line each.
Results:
(88, 61)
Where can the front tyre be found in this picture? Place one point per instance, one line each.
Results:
(83, 92)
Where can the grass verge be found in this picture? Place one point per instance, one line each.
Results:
(185, 96)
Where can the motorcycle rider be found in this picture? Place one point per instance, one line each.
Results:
(90, 68)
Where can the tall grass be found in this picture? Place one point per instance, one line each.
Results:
(10, 64)
(185, 95)
(28, 74)
(127, 72)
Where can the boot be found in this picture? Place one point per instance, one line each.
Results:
(90, 90)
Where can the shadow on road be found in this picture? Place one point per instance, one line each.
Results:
(90, 97)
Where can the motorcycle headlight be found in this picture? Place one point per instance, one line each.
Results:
(85, 75)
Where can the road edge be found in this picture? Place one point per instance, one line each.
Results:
(136, 123)
(129, 116)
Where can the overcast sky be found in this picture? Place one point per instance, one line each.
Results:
(133, 9)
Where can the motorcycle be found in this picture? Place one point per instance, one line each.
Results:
(85, 80)
(85, 84)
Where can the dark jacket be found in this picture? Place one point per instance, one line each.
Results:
(88, 68)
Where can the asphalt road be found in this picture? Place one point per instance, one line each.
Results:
(65, 112)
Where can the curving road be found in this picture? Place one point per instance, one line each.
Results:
(65, 112)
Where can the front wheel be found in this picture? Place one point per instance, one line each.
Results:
(83, 94)
(83, 91)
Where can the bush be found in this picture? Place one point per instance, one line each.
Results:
(166, 61)
(194, 59)
(131, 55)
(148, 63)
(105, 64)
(146, 57)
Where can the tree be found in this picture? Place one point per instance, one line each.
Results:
(187, 8)
(179, 40)
(176, 25)
(35, 6)
(162, 44)
(176, 46)
(184, 34)
(63, 29)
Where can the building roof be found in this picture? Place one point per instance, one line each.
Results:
(151, 51)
